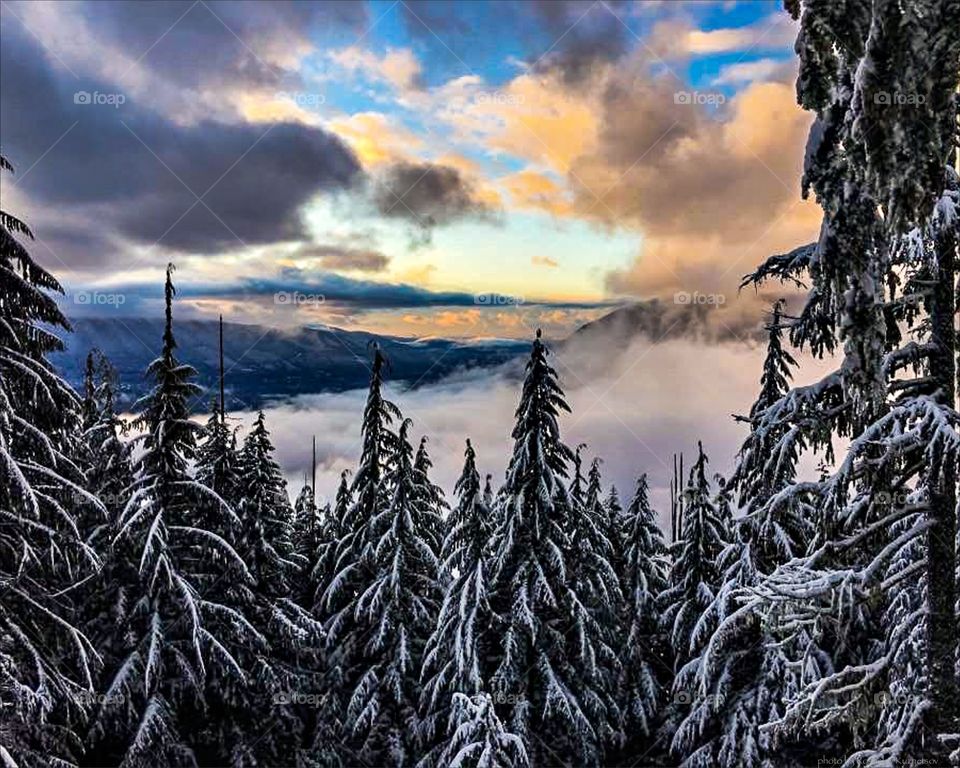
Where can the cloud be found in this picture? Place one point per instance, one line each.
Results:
(131, 173)
(427, 195)
(712, 194)
(750, 71)
(582, 35)
(538, 118)
(376, 138)
(187, 61)
(398, 67)
(340, 258)
(544, 261)
(677, 38)
(538, 191)
(709, 379)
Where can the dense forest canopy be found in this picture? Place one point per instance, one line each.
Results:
(163, 602)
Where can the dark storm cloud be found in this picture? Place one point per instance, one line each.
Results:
(569, 36)
(581, 34)
(427, 195)
(190, 43)
(128, 169)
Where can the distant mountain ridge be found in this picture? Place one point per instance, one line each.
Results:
(264, 363)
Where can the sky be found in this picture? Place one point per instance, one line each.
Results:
(418, 168)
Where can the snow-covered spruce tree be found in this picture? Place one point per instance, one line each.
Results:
(646, 659)
(217, 457)
(381, 601)
(742, 675)
(393, 616)
(430, 496)
(257, 718)
(694, 580)
(591, 565)
(353, 569)
(455, 660)
(328, 531)
(478, 737)
(110, 474)
(878, 583)
(306, 523)
(172, 632)
(105, 597)
(615, 513)
(548, 680)
(45, 661)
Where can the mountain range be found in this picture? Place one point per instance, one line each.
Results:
(264, 364)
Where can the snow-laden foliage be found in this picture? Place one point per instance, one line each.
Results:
(695, 573)
(172, 632)
(456, 654)
(217, 458)
(549, 681)
(384, 596)
(645, 655)
(46, 662)
(258, 717)
(479, 739)
(876, 590)
(740, 675)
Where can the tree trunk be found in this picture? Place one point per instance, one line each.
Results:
(942, 632)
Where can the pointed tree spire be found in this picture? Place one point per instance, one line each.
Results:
(175, 529)
(646, 658)
(547, 681)
(457, 652)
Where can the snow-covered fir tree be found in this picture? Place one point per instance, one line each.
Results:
(591, 565)
(455, 660)
(383, 599)
(217, 461)
(325, 538)
(109, 473)
(431, 497)
(877, 587)
(548, 681)
(646, 657)
(306, 522)
(152, 691)
(354, 566)
(478, 737)
(258, 719)
(46, 662)
(395, 614)
(693, 583)
(742, 675)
